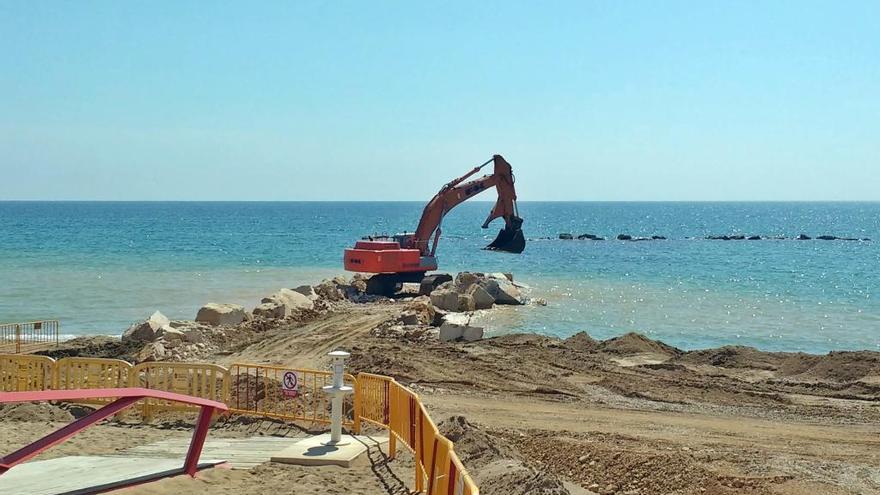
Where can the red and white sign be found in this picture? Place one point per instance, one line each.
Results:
(290, 384)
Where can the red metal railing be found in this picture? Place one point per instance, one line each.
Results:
(125, 397)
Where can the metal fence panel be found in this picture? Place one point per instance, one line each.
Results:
(270, 391)
(29, 336)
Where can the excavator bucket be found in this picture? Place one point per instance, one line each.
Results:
(510, 239)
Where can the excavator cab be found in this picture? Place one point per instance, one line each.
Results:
(510, 239)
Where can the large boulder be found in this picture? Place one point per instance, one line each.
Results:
(331, 290)
(452, 331)
(464, 280)
(287, 301)
(482, 299)
(503, 291)
(451, 300)
(420, 312)
(147, 330)
(221, 314)
(270, 310)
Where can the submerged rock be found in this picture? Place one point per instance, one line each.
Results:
(624, 237)
(503, 291)
(566, 236)
(482, 299)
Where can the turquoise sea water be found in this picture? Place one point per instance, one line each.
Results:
(100, 266)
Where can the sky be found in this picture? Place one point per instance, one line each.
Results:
(388, 100)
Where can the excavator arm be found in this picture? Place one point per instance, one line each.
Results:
(510, 238)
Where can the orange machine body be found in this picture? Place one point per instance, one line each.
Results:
(386, 256)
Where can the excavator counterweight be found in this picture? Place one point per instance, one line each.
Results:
(407, 257)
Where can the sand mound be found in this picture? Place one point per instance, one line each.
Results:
(525, 339)
(735, 357)
(841, 367)
(581, 341)
(34, 411)
(510, 477)
(496, 466)
(475, 447)
(635, 343)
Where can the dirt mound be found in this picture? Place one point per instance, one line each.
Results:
(624, 470)
(34, 411)
(496, 466)
(510, 477)
(95, 347)
(736, 357)
(636, 343)
(839, 366)
(525, 339)
(475, 447)
(581, 341)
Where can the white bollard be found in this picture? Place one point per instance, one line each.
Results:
(337, 393)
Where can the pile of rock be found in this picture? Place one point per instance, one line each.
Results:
(164, 339)
(473, 291)
(444, 313)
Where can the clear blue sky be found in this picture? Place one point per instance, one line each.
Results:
(354, 100)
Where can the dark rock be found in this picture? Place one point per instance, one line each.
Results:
(737, 238)
(827, 237)
(718, 238)
(624, 237)
(803, 237)
(566, 236)
(658, 237)
(755, 238)
(589, 237)
(866, 239)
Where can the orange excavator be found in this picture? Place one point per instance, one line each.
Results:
(408, 257)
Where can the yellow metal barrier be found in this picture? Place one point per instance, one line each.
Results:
(438, 469)
(287, 393)
(29, 337)
(270, 391)
(207, 381)
(78, 373)
(25, 373)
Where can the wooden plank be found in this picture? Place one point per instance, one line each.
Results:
(240, 453)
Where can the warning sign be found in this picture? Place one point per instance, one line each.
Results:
(290, 384)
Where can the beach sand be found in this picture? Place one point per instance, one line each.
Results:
(532, 414)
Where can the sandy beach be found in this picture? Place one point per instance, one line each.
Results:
(533, 414)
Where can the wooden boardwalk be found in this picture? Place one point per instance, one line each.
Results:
(240, 453)
(79, 475)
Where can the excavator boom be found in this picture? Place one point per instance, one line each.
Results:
(456, 192)
(407, 257)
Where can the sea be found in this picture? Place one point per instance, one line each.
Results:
(100, 266)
